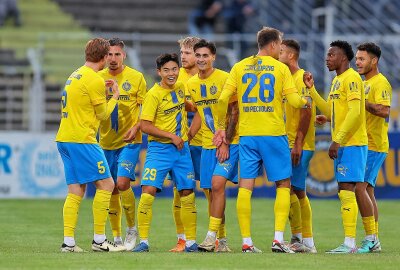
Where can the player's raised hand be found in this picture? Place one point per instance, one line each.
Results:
(114, 87)
(177, 141)
(308, 79)
(321, 119)
(219, 138)
(222, 152)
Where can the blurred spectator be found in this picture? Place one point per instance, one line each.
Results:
(202, 19)
(9, 8)
(237, 14)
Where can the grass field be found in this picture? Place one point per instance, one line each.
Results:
(31, 233)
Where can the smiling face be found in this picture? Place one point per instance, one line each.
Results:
(115, 58)
(169, 73)
(365, 62)
(204, 59)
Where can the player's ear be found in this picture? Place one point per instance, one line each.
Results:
(375, 60)
(159, 72)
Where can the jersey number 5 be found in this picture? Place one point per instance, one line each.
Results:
(265, 83)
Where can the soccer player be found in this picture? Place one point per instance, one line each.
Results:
(187, 70)
(83, 105)
(218, 165)
(346, 111)
(121, 138)
(301, 134)
(378, 92)
(261, 82)
(164, 120)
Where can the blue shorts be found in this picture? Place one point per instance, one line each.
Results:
(228, 169)
(350, 164)
(83, 162)
(122, 162)
(299, 172)
(164, 158)
(272, 151)
(195, 153)
(374, 163)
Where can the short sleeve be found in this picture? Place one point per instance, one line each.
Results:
(97, 91)
(149, 108)
(142, 90)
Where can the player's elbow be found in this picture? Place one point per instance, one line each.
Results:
(144, 126)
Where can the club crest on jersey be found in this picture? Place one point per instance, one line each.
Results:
(335, 86)
(126, 86)
(213, 90)
(180, 93)
(367, 88)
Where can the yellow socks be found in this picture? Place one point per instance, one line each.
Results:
(145, 214)
(189, 216)
(221, 231)
(176, 211)
(349, 209)
(114, 214)
(70, 213)
(243, 207)
(295, 215)
(101, 204)
(215, 224)
(281, 208)
(306, 217)
(128, 203)
(376, 228)
(369, 225)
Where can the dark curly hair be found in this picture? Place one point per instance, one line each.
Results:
(345, 47)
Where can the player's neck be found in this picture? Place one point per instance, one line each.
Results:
(192, 71)
(204, 74)
(294, 67)
(372, 73)
(166, 86)
(117, 71)
(95, 66)
(342, 69)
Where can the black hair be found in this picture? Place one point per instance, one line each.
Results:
(345, 47)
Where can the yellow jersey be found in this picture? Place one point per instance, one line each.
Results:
(184, 77)
(293, 115)
(166, 109)
(345, 87)
(260, 83)
(378, 91)
(83, 90)
(132, 88)
(205, 94)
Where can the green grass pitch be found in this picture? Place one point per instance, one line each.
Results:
(31, 235)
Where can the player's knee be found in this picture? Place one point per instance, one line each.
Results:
(105, 184)
(123, 185)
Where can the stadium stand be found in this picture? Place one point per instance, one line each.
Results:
(58, 29)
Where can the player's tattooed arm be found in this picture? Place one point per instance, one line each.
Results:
(377, 109)
(232, 119)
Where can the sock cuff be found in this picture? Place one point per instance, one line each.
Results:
(103, 192)
(304, 201)
(347, 196)
(124, 192)
(148, 198)
(283, 190)
(74, 197)
(189, 198)
(245, 191)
